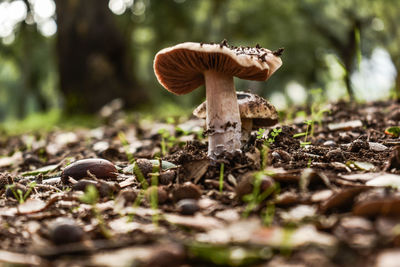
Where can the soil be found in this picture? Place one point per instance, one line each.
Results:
(331, 199)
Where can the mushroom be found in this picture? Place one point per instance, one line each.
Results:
(184, 67)
(255, 112)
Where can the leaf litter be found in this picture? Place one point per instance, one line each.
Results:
(332, 200)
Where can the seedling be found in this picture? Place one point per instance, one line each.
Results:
(269, 214)
(316, 117)
(199, 133)
(221, 177)
(260, 133)
(91, 197)
(125, 144)
(145, 185)
(264, 156)
(19, 194)
(287, 247)
(266, 144)
(140, 176)
(167, 141)
(257, 197)
(154, 195)
(275, 132)
(309, 124)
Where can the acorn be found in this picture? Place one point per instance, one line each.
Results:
(99, 168)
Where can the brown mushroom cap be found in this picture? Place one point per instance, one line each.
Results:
(180, 68)
(251, 106)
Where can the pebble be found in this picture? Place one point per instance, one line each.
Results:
(162, 195)
(186, 190)
(276, 155)
(245, 186)
(344, 137)
(281, 155)
(377, 147)
(129, 195)
(65, 231)
(167, 177)
(188, 206)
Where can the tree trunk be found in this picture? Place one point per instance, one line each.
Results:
(94, 62)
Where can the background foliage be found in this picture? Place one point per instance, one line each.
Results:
(348, 48)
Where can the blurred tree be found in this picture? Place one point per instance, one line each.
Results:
(93, 57)
(341, 25)
(102, 56)
(27, 53)
(387, 24)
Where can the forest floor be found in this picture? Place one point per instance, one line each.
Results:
(328, 197)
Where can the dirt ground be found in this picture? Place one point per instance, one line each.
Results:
(319, 193)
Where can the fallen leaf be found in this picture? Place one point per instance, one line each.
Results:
(385, 179)
(31, 205)
(345, 126)
(196, 169)
(199, 222)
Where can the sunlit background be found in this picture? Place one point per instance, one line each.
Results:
(349, 49)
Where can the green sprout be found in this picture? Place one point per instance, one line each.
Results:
(255, 198)
(154, 197)
(266, 144)
(275, 132)
(145, 185)
(317, 113)
(221, 177)
(125, 144)
(309, 124)
(269, 214)
(140, 176)
(91, 197)
(260, 133)
(19, 194)
(167, 141)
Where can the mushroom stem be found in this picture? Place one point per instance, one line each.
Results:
(223, 117)
(247, 126)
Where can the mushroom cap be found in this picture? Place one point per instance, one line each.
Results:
(180, 68)
(251, 106)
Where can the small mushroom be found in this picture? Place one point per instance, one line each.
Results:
(184, 67)
(255, 112)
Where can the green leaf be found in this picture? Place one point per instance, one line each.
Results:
(393, 131)
(365, 166)
(299, 135)
(43, 170)
(91, 195)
